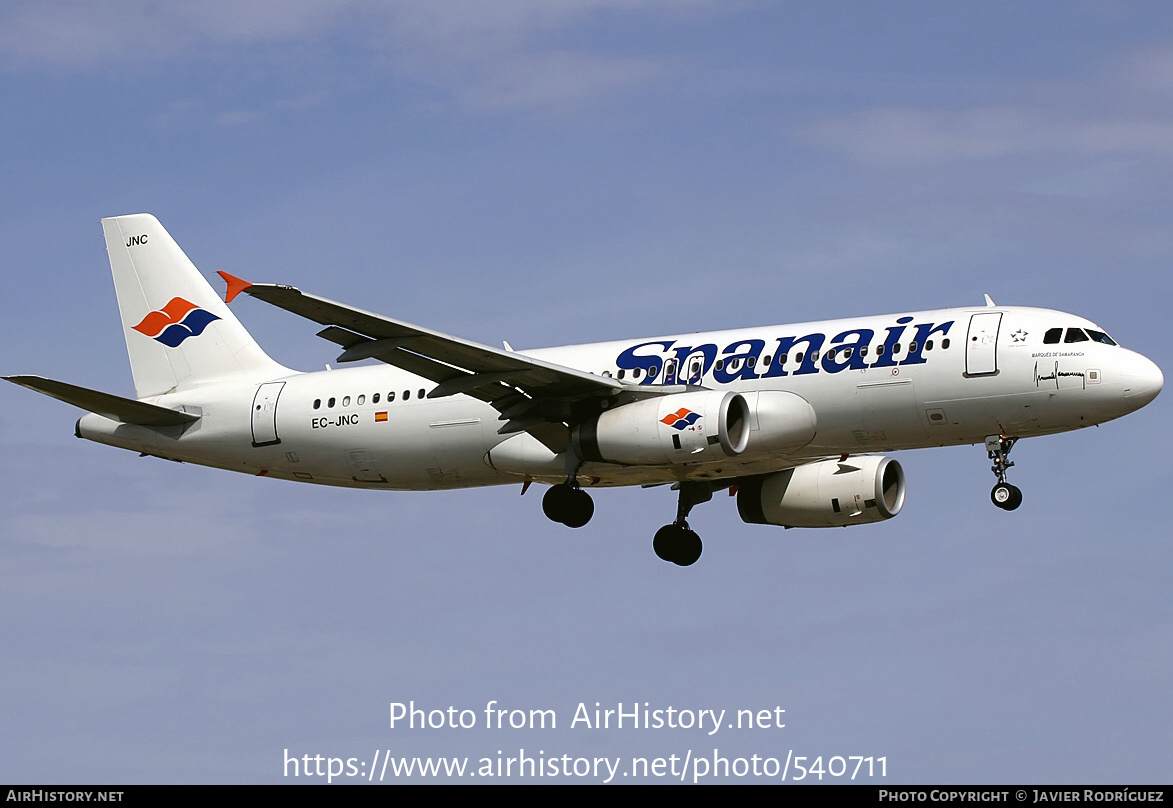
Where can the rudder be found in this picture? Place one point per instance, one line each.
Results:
(179, 333)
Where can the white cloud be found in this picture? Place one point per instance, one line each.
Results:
(488, 56)
(902, 135)
(1150, 70)
(159, 534)
(552, 79)
(1119, 111)
(239, 117)
(74, 33)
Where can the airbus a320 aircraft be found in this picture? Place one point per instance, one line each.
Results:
(787, 416)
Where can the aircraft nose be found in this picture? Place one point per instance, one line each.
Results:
(1142, 380)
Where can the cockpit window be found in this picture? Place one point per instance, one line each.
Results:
(1075, 335)
(1053, 336)
(1100, 336)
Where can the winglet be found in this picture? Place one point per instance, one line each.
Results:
(235, 285)
(989, 300)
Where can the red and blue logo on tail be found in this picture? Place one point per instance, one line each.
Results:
(175, 322)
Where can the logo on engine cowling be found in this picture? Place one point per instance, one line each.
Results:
(681, 419)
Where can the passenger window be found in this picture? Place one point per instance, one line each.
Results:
(912, 347)
(317, 403)
(375, 398)
(1075, 335)
(621, 374)
(421, 393)
(361, 400)
(635, 373)
(406, 395)
(863, 351)
(1052, 336)
(346, 401)
(928, 345)
(330, 403)
(879, 350)
(390, 396)
(945, 344)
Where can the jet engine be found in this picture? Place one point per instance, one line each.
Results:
(780, 423)
(826, 493)
(679, 428)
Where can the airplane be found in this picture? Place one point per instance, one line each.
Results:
(788, 418)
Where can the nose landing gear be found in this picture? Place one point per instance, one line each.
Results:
(1004, 495)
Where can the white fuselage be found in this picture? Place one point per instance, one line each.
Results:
(902, 381)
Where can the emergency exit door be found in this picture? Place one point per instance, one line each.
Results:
(981, 345)
(265, 414)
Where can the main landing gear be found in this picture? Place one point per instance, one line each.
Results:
(1004, 495)
(677, 542)
(568, 504)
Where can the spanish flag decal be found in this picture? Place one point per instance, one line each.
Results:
(380, 416)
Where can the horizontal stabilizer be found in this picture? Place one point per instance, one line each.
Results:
(116, 408)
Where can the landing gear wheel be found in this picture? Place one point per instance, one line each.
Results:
(689, 549)
(663, 542)
(678, 544)
(555, 500)
(568, 505)
(1006, 496)
(580, 508)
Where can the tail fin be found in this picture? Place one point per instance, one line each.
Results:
(179, 333)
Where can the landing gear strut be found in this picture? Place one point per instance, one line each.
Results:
(1004, 495)
(677, 542)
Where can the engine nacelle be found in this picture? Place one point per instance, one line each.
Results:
(827, 493)
(780, 423)
(680, 428)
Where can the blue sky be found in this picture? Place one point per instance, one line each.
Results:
(552, 173)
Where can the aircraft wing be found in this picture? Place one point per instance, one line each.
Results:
(116, 408)
(528, 392)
